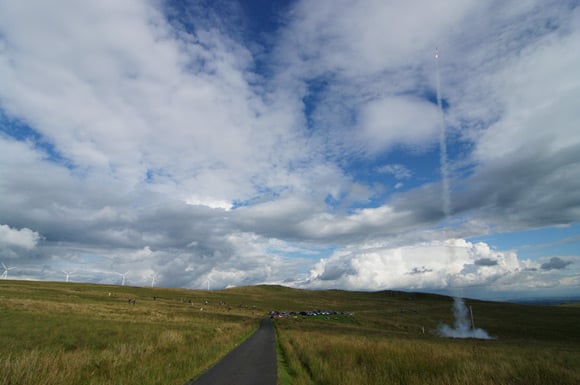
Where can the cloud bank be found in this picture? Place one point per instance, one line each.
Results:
(192, 141)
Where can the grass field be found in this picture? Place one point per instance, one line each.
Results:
(67, 333)
(384, 344)
(56, 333)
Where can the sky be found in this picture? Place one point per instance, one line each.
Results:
(300, 143)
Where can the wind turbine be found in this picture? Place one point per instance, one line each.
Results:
(123, 275)
(6, 268)
(68, 273)
(153, 279)
(208, 280)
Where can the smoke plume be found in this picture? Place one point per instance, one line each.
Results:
(463, 326)
(442, 144)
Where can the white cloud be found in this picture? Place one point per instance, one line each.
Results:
(400, 120)
(530, 147)
(454, 265)
(176, 107)
(155, 146)
(361, 37)
(209, 202)
(399, 171)
(537, 90)
(21, 238)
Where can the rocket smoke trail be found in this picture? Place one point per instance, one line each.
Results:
(462, 327)
(442, 143)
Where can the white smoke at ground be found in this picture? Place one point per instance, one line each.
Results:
(463, 326)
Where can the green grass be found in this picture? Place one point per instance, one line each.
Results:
(67, 333)
(54, 333)
(384, 344)
(324, 357)
(285, 376)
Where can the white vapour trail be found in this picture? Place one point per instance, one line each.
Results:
(445, 192)
(442, 143)
(462, 328)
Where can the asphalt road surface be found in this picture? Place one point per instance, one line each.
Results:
(251, 363)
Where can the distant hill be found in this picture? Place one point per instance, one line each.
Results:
(550, 301)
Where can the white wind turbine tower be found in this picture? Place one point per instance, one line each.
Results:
(153, 279)
(123, 276)
(208, 280)
(6, 269)
(67, 273)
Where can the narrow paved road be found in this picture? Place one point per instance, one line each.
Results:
(251, 363)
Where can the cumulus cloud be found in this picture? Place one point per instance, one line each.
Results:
(433, 265)
(21, 238)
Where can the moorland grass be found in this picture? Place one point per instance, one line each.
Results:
(59, 333)
(54, 333)
(385, 344)
(327, 358)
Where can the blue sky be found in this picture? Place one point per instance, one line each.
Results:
(293, 142)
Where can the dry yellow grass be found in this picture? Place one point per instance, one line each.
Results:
(77, 334)
(326, 356)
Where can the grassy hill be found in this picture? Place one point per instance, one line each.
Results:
(69, 333)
